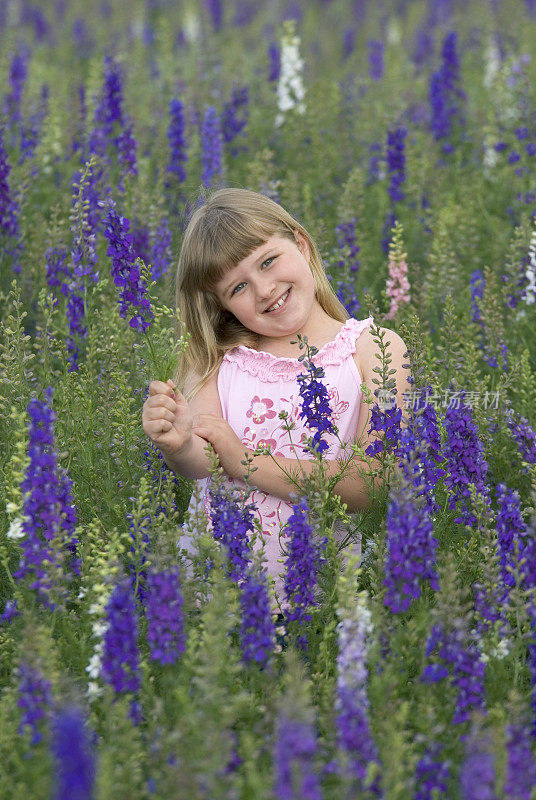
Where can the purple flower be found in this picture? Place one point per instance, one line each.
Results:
(346, 294)
(120, 658)
(109, 109)
(127, 147)
(531, 647)
(215, 9)
(477, 292)
(419, 448)
(347, 243)
(411, 550)
(375, 59)
(274, 57)
(315, 407)
(57, 270)
(140, 240)
(477, 284)
(29, 131)
(354, 735)
(301, 567)
(511, 529)
(348, 42)
(460, 659)
(431, 774)
(445, 93)
(521, 767)
(348, 262)
(491, 604)
(126, 273)
(49, 514)
(465, 460)
(84, 220)
(422, 46)
(235, 117)
(34, 701)
(82, 39)
(140, 546)
(8, 207)
(232, 523)
(396, 162)
(374, 162)
(74, 760)
(165, 617)
(257, 631)
(161, 256)
(477, 775)
(211, 148)
(524, 434)
(384, 420)
(18, 72)
(294, 754)
(176, 135)
(10, 611)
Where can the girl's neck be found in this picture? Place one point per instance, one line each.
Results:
(319, 332)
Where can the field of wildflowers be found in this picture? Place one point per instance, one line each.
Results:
(402, 134)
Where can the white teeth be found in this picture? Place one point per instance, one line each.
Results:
(279, 302)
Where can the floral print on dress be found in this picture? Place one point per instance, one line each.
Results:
(338, 407)
(260, 410)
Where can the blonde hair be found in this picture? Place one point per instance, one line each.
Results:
(221, 233)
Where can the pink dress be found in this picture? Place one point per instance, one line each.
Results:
(255, 386)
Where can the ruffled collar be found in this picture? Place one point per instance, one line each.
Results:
(271, 368)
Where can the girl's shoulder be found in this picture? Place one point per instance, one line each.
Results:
(368, 350)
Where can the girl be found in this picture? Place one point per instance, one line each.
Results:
(250, 279)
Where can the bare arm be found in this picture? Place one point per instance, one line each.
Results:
(168, 419)
(271, 473)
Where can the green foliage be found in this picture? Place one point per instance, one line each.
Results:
(208, 722)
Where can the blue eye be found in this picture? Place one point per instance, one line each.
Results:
(237, 288)
(268, 261)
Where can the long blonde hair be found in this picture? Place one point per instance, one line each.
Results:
(221, 233)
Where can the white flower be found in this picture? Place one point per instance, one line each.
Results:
(502, 649)
(394, 34)
(93, 690)
(15, 531)
(290, 89)
(94, 667)
(100, 628)
(493, 63)
(530, 274)
(490, 156)
(192, 28)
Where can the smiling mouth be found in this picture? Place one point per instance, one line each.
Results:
(278, 304)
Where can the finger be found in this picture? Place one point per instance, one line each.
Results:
(161, 401)
(171, 383)
(203, 431)
(159, 412)
(164, 426)
(159, 387)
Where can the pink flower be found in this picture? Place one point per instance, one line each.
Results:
(260, 410)
(398, 286)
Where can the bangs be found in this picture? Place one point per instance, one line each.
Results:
(225, 237)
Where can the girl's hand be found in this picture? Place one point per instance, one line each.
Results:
(166, 418)
(230, 449)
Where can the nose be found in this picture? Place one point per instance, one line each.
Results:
(264, 287)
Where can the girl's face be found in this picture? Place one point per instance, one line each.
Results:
(271, 291)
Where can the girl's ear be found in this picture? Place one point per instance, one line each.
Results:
(303, 244)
